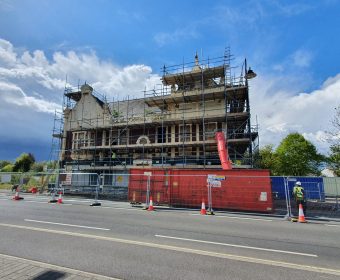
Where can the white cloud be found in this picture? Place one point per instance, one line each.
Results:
(302, 58)
(31, 87)
(294, 62)
(294, 9)
(186, 33)
(6, 5)
(281, 110)
(12, 94)
(7, 54)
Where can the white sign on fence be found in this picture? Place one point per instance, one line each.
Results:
(215, 184)
(215, 180)
(263, 196)
(212, 178)
(5, 178)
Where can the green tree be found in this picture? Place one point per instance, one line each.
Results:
(7, 168)
(297, 156)
(334, 159)
(334, 140)
(24, 162)
(52, 164)
(3, 163)
(265, 158)
(38, 167)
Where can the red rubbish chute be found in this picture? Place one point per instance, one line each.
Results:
(223, 151)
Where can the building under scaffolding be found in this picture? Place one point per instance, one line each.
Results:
(173, 125)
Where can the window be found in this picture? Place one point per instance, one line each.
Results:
(210, 129)
(187, 151)
(185, 133)
(161, 134)
(91, 138)
(81, 139)
(123, 135)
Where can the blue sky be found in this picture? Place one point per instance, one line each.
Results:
(120, 47)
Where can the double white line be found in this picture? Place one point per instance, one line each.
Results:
(237, 246)
(184, 250)
(68, 225)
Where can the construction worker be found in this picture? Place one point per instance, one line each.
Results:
(299, 197)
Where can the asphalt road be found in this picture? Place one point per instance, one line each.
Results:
(119, 241)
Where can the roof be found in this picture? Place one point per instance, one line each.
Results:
(194, 75)
(76, 96)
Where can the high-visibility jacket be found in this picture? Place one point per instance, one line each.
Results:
(298, 192)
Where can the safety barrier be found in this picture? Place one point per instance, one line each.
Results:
(321, 194)
(28, 182)
(115, 185)
(236, 190)
(220, 189)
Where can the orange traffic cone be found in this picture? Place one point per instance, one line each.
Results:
(301, 215)
(17, 196)
(151, 208)
(203, 210)
(60, 199)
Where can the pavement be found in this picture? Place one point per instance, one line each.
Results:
(14, 268)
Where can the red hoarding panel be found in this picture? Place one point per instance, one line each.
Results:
(158, 185)
(241, 189)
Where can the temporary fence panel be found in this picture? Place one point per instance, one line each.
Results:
(79, 183)
(28, 182)
(235, 189)
(5, 178)
(241, 189)
(313, 186)
(188, 188)
(114, 185)
(278, 187)
(332, 186)
(332, 192)
(159, 186)
(249, 190)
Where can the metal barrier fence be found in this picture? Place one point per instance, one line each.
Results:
(28, 182)
(115, 185)
(216, 191)
(321, 194)
(175, 189)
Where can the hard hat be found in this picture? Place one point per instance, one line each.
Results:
(298, 183)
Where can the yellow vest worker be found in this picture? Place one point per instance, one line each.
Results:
(299, 197)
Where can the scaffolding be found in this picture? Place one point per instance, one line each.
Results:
(174, 124)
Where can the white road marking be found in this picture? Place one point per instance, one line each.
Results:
(235, 217)
(243, 218)
(63, 204)
(127, 209)
(31, 201)
(186, 250)
(79, 200)
(332, 225)
(237, 246)
(119, 208)
(69, 225)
